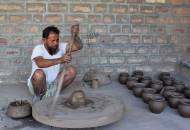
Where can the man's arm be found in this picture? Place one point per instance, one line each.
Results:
(44, 63)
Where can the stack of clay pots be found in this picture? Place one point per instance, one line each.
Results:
(159, 92)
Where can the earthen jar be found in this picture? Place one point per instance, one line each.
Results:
(166, 91)
(169, 81)
(139, 74)
(184, 108)
(187, 92)
(155, 81)
(158, 87)
(146, 80)
(123, 77)
(180, 87)
(174, 99)
(147, 94)
(19, 109)
(130, 82)
(163, 74)
(157, 104)
(138, 89)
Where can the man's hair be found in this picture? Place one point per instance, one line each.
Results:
(48, 30)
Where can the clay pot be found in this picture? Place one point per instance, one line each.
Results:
(168, 82)
(123, 77)
(137, 72)
(166, 91)
(146, 80)
(184, 108)
(157, 104)
(187, 92)
(77, 98)
(162, 75)
(19, 109)
(147, 94)
(180, 87)
(130, 82)
(157, 82)
(158, 87)
(174, 99)
(138, 89)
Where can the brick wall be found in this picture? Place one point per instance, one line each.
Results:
(118, 35)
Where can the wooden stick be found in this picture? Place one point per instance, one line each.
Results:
(55, 98)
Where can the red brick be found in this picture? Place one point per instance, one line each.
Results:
(134, 1)
(133, 9)
(73, 18)
(3, 41)
(147, 9)
(147, 39)
(151, 20)
(126, 28)
(140, 29)
(94, 18)
(135, 39)
(176, 2)
(8, 29)
(38, 18)
(122, 19)
(2, 18)
(187, 1)
(115, 29)
(167, 20)
(161, 39)
(81, 8)
(100, 8)
(108, 19)
(122, 9)
(186, 20)
(35, 7)
(20, 18)
(119, 1)
(137, 19)
(11, 7)
(53, 18)
(181, 11)
(57, 7)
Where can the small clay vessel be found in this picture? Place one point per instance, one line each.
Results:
(174, 99)
(19, 109)
(123, 77)
(163, 74)
(157, 82)
(157, 104)
(138, 89)
(130, 82)
(187, 92)
(146, 80)
(184, 108)
(168, 82)
(158, 87)
(137, 72)
(180, 87)
(167, 90)
(147, 94)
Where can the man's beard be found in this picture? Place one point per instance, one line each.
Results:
(53, 51)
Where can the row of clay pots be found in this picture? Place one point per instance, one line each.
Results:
(149, 90)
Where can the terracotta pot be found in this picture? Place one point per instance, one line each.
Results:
(130, 82)
(138, 89)
(166, 91)
(184, 108)
(137, 72)
(147, 94)
(158, 87)
(163, 74)
(174, 99)
(168, 82)
(157, 104)
(180, 87)
(19, 109)
(187, 92)
(123, 77)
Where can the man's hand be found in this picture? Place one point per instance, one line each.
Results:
(66, 58)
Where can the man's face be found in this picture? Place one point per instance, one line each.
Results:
(52, 43)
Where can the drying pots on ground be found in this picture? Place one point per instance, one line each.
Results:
(184, 108)
(138, 89)
(157, 104)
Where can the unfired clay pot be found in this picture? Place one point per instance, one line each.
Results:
(19, 109)
(147, 94)
(157, 104)
(187, 92)
(130, 82)
(184, 108)
(174, 99)
(138, 89)
(123, 77)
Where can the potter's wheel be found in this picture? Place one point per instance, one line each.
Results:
(104, 110)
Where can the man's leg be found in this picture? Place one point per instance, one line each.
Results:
(68, 77)
(39, 83)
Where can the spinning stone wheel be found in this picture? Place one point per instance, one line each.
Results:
(102, 110)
